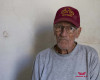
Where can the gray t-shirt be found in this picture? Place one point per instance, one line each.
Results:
(81, 64)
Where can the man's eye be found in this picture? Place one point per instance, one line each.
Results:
(59, 27)
(72, 28)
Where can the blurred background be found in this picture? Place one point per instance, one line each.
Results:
(26, 28)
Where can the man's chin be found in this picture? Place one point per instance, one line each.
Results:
(63, 47)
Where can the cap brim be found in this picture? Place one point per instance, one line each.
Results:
(68, 20)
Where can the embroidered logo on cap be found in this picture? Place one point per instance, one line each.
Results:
(67, 12)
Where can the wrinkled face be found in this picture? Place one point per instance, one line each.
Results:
(65, 33)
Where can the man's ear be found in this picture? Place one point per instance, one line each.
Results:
(78, 32)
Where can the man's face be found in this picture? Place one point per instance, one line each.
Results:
(65, 34)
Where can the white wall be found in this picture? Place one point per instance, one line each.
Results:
(26, 29)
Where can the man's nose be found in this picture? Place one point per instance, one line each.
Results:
(64, 32)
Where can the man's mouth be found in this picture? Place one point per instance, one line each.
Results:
(62, 39)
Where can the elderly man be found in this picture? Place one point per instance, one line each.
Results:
(67, 60)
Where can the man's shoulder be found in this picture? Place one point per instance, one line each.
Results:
(88, 49)
(86, 46)
(44, 52)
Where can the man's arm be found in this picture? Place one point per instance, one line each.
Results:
(95, 67)
(35, 71)
(37, 68)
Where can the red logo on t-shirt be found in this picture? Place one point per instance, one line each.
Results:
(82, 74)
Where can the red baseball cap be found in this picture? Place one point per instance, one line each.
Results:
(69, 14)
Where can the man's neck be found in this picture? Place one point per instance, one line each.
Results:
(64, 51)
